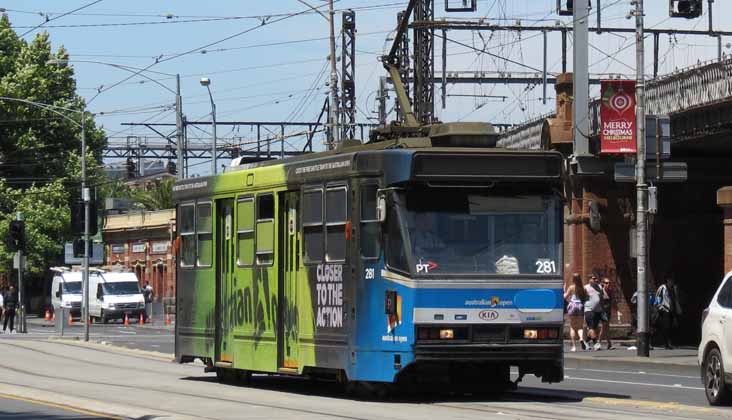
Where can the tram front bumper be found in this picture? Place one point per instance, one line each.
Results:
(489, 352)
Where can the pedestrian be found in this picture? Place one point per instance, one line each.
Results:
(2, 309)
(607, 300)
(668, 308)
(147, 293)
(575, 296)
(10, 302)
(593, 311)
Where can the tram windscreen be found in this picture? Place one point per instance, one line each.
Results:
(462, 232)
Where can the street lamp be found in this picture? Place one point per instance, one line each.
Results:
(205, 81)
(176, 92)
(84, 194)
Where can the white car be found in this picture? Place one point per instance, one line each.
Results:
(715, 349)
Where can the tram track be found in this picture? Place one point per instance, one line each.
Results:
(207, 398)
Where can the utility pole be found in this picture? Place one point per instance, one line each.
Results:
(21, 283)
(178, 129)
(334, 109)
(581, 85)
(641, 186)
(85, 263)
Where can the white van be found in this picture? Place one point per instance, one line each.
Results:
(112, 295)
(66, 290)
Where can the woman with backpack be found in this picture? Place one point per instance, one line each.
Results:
(575, 295)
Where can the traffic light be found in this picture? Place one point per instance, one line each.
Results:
(79, 248)
(77, 218)
(172, 168)
(131, 169)
(688, 9)
(15, 239)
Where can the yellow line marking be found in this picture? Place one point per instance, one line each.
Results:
(59, 406)
(653, 405)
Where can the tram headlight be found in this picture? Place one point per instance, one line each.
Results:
(447, 334)
(541, 333)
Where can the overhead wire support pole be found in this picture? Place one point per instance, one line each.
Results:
(641, 187)
(85, 196)
(581, 88)
(348, 73)
(178, 129)
(444, 68)
(334, 109)
(424, 63)
(543, 101)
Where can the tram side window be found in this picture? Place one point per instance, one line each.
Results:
(204, 231)
(336, 211)
(265, 229)
(369, 223)
(396, 256)
(312, 222)
(245, 231)
(187, 235)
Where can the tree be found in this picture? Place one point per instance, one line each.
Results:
(40, 165)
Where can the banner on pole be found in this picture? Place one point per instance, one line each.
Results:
(617, 116)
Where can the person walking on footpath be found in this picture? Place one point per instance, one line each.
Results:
(10, 301)
(593, 311)
(607, 300)
(666, 305)
(575, 296)
(2, 307)
(147, 293)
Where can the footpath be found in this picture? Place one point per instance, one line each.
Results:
(679, 359)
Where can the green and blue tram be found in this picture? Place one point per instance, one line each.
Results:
(429, 258)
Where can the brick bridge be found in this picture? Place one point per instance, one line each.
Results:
(687, 237)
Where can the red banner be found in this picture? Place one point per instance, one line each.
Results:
(617, 117)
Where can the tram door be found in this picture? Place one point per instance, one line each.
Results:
(287, 334)
(225, 260)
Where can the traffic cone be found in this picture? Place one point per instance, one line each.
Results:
(48, 315)
(71, 319)
(167, 319)
(127, 320)
(142, 319)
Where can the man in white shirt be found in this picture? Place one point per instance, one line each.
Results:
(593, 311)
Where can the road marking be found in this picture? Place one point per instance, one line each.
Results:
(634, 383)
(655, 405)
(60, 406)
(126, 332)
(640, 372)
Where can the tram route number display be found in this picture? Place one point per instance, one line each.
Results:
(329, 288)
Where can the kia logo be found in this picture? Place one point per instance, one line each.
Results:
(488, 315)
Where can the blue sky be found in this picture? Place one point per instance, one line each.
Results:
(269, 72)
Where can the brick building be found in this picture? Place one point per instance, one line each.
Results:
(142, 242)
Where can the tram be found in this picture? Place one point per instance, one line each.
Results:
(433, 257)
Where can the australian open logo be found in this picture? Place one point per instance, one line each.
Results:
(488, 315)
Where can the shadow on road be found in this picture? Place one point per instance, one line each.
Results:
(395, 394)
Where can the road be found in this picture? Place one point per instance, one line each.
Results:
(120, 380)
(15, 408)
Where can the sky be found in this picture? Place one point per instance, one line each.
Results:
(267, 60)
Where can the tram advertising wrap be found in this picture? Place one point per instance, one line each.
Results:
(395, 262)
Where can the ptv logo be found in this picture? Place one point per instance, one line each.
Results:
(426, 268)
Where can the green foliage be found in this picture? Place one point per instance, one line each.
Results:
(155, 196)
(46, 214)
(40, 149)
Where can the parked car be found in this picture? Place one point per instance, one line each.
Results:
(715, 349)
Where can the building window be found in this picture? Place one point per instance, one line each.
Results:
(370, 246)
(312, 224)
(265, 229)
(204, 231)
(187, 235)
(336, 211)
(245, 231)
